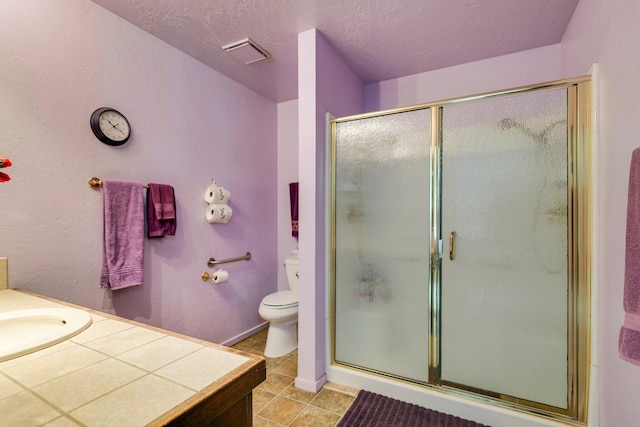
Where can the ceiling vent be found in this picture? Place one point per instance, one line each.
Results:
(246, 51)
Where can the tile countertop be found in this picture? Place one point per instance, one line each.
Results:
(121, 373)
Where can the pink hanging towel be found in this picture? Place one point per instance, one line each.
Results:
(123, 241)
(629, 340)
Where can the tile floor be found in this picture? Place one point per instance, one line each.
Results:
(276, 402)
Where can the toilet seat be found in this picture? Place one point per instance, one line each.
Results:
(281, 300)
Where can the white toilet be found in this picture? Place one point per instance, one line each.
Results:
(281, 311)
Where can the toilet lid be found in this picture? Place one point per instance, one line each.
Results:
(282, 299)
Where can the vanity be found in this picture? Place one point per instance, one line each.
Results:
(121, 372)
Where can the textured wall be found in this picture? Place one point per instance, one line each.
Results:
(502, 72)
(60, 61)
(606, 32)
(287, 172)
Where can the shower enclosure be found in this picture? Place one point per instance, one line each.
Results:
(460, 252)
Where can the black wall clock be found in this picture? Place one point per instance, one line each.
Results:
(110, 126)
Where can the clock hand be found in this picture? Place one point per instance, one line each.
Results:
(115, 126)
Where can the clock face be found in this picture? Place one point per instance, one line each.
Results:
(110, 126)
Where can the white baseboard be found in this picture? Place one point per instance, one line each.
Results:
(247, 334)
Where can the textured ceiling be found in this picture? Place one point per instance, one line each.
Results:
(379, 39)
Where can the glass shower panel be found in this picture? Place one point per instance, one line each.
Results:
(382, 243)
(504, 293)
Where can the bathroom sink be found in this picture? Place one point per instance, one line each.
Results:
(25, 331)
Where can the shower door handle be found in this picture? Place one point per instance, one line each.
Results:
(452, 245)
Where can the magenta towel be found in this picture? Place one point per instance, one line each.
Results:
(161, 211)
(123, 234)
(629, 339)
(293, 198)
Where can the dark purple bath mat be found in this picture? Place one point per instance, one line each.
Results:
(373, 410)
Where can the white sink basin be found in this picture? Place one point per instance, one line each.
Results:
(26, 331)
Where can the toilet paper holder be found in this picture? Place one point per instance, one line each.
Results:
(218, 276)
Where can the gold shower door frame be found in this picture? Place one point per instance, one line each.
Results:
(579, 251)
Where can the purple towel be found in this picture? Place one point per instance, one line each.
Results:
(161, 211)
(629, 340)
(293, 198)
(123, 239)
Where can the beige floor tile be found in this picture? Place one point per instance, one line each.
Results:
(279, 387)
(292, 392)
(255, 340)
(274, 363)
(262, 334)
(288, 368)
(315, 417)
(257, 348)
(275, 383)
(332, 401)
(263, 422)
(243, 345)
(282, 410)
(260, 399)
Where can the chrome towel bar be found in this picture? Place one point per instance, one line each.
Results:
(213, 261)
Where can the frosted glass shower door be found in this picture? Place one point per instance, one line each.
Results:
(504, 285)
(381, 197)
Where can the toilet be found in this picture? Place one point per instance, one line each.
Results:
(280, 309)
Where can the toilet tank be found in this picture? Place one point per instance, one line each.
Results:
(291, 264)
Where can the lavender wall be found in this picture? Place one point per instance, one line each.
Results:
(325, 85)
(607, 32)
(287, 172)
(502, 72)
(62, 60)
